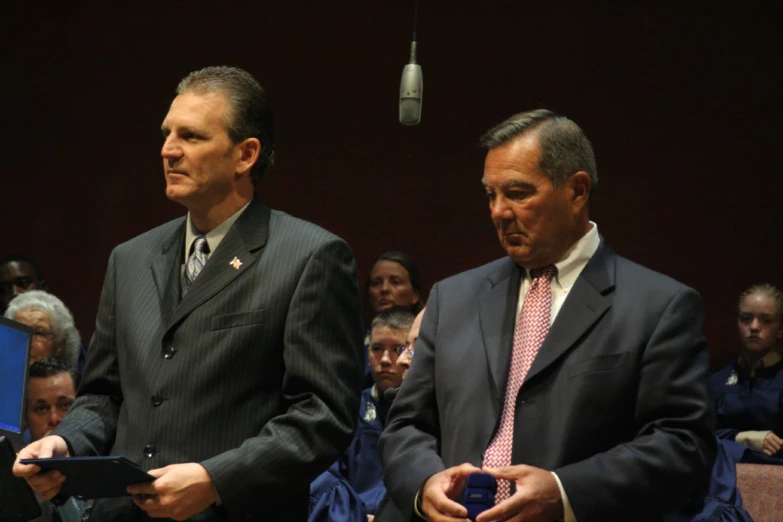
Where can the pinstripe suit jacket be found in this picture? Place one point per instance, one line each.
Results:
(255, 373)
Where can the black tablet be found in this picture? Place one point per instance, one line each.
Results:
(94, 477)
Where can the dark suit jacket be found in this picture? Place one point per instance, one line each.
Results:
(616, 402)
(255, 373)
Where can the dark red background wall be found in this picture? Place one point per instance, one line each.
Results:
(683, 106)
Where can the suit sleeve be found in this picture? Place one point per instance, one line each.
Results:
(90, 426)
(670, 458)
(409, 444)
(322, 354)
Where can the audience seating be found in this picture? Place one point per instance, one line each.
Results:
(761, 487)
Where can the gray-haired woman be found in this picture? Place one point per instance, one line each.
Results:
(52, 323)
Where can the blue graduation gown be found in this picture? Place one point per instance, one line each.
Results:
(361, 463)
(744, 403)
(332, 499)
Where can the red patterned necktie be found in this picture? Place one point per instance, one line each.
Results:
(530, 332)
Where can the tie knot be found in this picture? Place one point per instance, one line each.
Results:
(201, 245)
(547, 272)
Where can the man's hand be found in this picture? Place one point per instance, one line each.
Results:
(537, 497)
(46, 484)
(179, 492)
(439, 492)
(772, 444)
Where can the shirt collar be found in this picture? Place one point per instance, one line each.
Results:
(771, 358)
(214, 236)
(575, 259)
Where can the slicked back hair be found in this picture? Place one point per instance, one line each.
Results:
(767, 289)
(394, 318)
(250, 114)
(564, 148)
(51, 366)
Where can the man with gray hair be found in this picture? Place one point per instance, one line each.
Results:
(574, 377)
(217, 337)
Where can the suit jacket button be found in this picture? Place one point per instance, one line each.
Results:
(169, 351)
(157, 399)
(149, 451)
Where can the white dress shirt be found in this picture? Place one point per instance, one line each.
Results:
(568, 270)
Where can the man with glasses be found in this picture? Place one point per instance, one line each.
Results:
(406, 354)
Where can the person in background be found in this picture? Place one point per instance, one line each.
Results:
(54, 333)
(748, 391)
(361, 462)
(387, 510)
(333, 497)
(406, 357)
(394, 281)
(18, 274)
(51, 390)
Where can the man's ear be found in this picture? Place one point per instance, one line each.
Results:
(249, 152)
(579, 183)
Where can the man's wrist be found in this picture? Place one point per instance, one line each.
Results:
(567, 513)
(417, 502)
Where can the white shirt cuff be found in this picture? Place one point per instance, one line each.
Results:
(752, 439)
(568, 512)
(416, 503)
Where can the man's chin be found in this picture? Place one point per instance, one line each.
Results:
(177, 194)
(520, 254)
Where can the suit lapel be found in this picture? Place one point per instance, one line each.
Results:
(234, 255)
(587, 301)
(497, 313)
(166, 272)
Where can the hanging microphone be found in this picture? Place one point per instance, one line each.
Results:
(390, 394)
(412, 82)
(411, 87)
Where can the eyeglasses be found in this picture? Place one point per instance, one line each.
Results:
(405, 347)
(42, 333)
(23, 283)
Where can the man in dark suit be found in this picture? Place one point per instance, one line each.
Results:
(609, 417)
(219, 335)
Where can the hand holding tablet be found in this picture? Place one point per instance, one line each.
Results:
(94, 477)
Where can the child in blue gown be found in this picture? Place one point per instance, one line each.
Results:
(749, 392)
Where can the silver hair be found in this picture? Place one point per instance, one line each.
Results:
(564, 148)
(65, 331)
